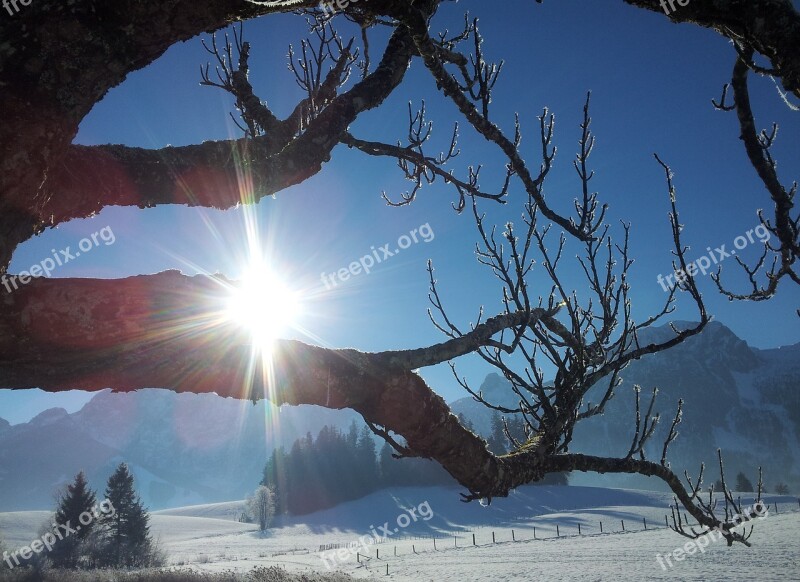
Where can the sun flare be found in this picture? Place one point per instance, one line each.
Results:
(264, 305)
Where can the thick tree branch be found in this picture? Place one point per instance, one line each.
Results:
(770, 27)
(56, 61)
(167, 330)
(210, 174)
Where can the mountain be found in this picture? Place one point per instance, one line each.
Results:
(740, 399)
(182, 448)
(494, 389)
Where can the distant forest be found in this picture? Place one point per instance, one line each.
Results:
(342, 466)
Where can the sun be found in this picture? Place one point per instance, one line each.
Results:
(262, 303)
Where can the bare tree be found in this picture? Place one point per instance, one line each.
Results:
(64, 334)
(261, 506)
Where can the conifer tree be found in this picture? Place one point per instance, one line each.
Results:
(76, 500)
(465, 422)
(275, 478)
(743, 483)
(497, 439)
(368, 460)
(387, 465)
(127, 529)
(352, 435)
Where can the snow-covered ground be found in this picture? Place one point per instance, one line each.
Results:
(207, 537)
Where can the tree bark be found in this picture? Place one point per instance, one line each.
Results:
(168, 330)
(56, 61)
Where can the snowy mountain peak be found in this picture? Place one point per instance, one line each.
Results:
(49, 417)
(716, 346)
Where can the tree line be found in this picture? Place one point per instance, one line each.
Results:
(340, 466)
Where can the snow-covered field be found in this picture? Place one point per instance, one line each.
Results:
(209, 538)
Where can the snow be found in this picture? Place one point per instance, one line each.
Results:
(208, 538)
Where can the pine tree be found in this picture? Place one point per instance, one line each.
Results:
(388, 465)
(516, 427)
(368, 461)
(497, 438)
(75, 501)
(352, 436)
(127, 529)
(743, 483)
(465, 422)
(275, 478)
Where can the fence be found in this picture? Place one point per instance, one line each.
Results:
(378, 559)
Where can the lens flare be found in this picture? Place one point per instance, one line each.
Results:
(264, 305)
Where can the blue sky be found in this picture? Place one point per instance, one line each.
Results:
(652, 83)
